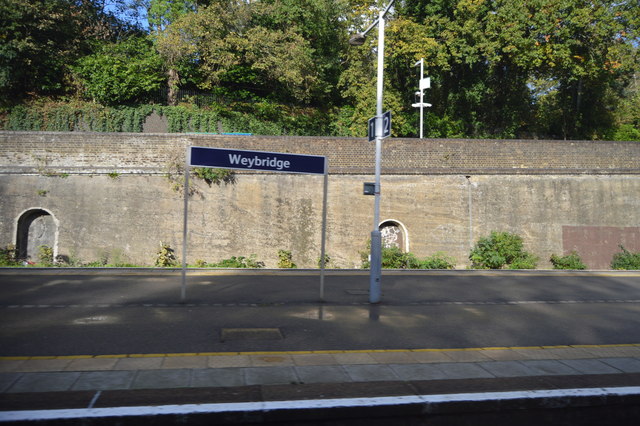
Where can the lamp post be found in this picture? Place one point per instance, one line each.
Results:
(376, 239)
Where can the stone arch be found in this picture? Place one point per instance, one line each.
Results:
(394, 234)
(35, 227)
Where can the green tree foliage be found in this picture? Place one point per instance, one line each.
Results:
(40, 39)
(507, 67)
(281, 50)
(501, 250)
(499, 68)
(122, 72)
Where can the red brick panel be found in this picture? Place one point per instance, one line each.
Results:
(597, 244)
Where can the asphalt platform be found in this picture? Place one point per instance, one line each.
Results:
(590, 384)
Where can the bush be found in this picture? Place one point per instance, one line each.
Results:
(8, 256)
(45, 255)
(239, 262)
(625, 260)
(570, 261)
(165, 256)
(394, 258)
(501, 250)
(438, 261)
(285, 259)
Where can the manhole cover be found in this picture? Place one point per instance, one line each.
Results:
(357, 292)
(250, 334)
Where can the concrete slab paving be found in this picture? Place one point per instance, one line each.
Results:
(353, 358)
(467, 356)
(322, 374)
(104, 380)
(162, 379)
(228, 361)
(507, 369)
(418, 372)
(370, 373)
(626, 365)
(508, 354)
(549, 367)
(45, 382)
(590, 366)
(271, 360)
(464, 371)
(8, 379)
(45, 365)
(393, 357)
(270, 375)
(314, 359)
(151, 363)
(7, 366)
(217, 377)
(91, 364)
(172, 362)
(620, 351)
(430, 356)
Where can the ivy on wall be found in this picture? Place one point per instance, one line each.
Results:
(91, 117)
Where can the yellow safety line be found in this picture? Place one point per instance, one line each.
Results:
(326, 352)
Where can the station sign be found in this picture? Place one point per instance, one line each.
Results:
(256, 160)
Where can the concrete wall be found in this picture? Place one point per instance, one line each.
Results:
(109, 195)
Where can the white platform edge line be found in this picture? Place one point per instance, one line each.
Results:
(33, 415)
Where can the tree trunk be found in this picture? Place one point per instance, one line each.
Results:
(173, 82)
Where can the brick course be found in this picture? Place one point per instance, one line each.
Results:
(150, 153)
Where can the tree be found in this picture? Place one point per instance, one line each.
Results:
(122, 72)
(278, 49)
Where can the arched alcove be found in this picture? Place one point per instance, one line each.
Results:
(394, 234)
(36, 227)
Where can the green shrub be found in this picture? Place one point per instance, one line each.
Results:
(438, 261)
(8, 256)
(501, 250)
(394, 258)
(212, 175)
(570, 261)
(45, 255)
(165, 256)
(285, 259)
(239, 262)
(625, 260)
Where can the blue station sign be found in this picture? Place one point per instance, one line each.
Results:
(256, 160)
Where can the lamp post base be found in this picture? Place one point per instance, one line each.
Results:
(376, 267)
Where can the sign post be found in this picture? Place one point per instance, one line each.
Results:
(255, 160)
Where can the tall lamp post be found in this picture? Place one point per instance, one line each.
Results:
(376, 238)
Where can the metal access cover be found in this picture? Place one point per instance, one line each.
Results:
(250, 334)
(357, 292)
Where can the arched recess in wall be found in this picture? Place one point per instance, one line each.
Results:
(394, 234)
(36, 227)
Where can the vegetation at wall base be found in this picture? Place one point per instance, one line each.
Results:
(238, 262)
(285, 260)
(165, 257)
(570, 261)
(8, 256)
(626, 260)
(501, 250)
(394, 258)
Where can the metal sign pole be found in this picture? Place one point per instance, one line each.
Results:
(324, 229)
(183, 288)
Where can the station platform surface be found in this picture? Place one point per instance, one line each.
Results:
(46, 387)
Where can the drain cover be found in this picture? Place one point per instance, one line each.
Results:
(357, 292)
(250, 334)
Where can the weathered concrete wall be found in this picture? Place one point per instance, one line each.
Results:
(443, 194)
